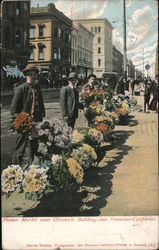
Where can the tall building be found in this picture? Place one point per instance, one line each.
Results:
(118, 62)
(130, 69)
(102, 44)
(15, 33)
(82, 50)
(50, 41)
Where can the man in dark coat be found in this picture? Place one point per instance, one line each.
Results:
(69, 101)
(146, 96)
(27, 98)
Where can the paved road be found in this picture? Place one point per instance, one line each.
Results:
(125, 182)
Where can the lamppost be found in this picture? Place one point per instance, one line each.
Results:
(124, 39)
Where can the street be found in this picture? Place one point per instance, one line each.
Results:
(124, 183)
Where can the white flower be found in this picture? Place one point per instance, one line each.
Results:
(56, 159)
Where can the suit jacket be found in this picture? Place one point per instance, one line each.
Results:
(87, 87)
(23, 98)
(69, 102)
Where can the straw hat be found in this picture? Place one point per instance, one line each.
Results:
(72, 75)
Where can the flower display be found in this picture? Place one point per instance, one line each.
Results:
(23, 122)
(94, 137)
(75, 169)
(104, 119)
(77, 136)
(87, 148)
(103, 128)
(11, 178)
(120, 111)
(35, 179)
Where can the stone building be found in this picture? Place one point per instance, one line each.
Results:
(102, 44)
(82, 50)
(50, 41)
(117, 62)
(15, 36)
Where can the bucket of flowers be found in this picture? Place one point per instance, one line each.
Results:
(92, 111)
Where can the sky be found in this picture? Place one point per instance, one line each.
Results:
(141, 24)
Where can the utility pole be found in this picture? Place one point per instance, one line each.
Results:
(124, 38)
(143, 64)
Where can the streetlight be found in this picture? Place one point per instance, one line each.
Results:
(124, 38)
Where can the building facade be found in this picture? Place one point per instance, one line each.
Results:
(102, 44)
(82, 50)
(15, 34)
(130, 69)
(118, 62)
(50, 41)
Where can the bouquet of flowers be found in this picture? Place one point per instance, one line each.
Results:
(104, 129)
(99, 95)
(11, 178)
(93, 137)
(59, 173)
(23, 122)
(85, 156)
(113, 115)
(94, 109)
(77, 137)
(54, 135)
(87, 97)
(35, 182)
(75, 169)
(104, 119)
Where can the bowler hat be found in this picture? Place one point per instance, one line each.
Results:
(30, 68)
(72, 75)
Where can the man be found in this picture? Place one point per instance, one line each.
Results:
(146, 95)
(28, 98)
(90, 85)
(69, 101)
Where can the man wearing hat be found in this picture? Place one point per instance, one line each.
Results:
(28, 98)
(69, 100)
(90, 85)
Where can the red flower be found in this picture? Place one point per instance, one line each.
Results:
(23, 122)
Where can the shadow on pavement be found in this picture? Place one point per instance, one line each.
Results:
(88, 199)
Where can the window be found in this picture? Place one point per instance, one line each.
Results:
(99, 62)
(59, 53)
(18, 8)
(99, 29)
(69, 38)
(31, 32)
(7, 37)
(18, 38)
(55, 54)
(99, 50)
(55, 32)
(41, 31)
(99, 39)
(59, 33)
(41, 52)
(25, 38)
(95, 29)
(92, 29)
(66, 38)
(31, 56)
(25, 6)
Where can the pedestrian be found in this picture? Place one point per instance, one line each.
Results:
(27, 98)
(154, 102)
(146, 96)
(69, 101)
(119, 88)
(90, 84)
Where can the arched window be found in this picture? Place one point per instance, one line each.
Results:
(99, 39)
(99, 50)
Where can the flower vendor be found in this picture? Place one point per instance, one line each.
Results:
(69, 101)
(27, 106)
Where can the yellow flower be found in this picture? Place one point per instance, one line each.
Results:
(90, 150)
(77, 137)
(75, 169)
